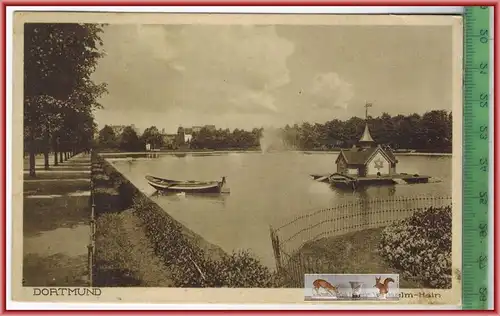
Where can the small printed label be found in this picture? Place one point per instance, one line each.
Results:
(351, 287)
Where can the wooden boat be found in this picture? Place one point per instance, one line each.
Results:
(353, 182)
(161, 184)
(321, 177)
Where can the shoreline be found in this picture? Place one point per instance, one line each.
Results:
(215, 152)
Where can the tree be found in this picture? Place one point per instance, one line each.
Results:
(410, 133)
(107, 138)
(437, 126)
(59, 59)
(203, 139)
(129, 141)
(152, 136)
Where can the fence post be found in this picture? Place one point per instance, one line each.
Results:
(276, 248)
(301, 268)
(91, 246)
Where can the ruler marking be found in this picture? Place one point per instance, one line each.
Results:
(476, 147)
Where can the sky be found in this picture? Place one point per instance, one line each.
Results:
(245, 76)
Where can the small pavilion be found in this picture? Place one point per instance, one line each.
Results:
(367, 158)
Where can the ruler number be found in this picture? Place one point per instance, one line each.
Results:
(483, 230)
(483, 294)
(482, 261)
(483, 36)
(483, 99)
(483, 197)
(483, 130)
(483, 68)
(483, 162)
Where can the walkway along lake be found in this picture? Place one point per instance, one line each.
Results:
(266, 189)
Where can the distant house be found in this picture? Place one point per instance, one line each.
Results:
(367, 159)
(169, 140)
(197, 129)
(211, 128)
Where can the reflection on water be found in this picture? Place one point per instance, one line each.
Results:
(191, 197)
(265, 189)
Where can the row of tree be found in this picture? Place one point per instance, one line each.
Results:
(59, 95)
(226, 139)
(431, 132)
(129, 140)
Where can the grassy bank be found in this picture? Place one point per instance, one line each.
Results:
(58, 186)
(351, 253)
(49, 214)
(42, 175)
(124, 256)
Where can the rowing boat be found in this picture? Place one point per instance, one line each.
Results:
(162, 184)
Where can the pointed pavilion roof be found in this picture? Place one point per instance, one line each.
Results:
(366, 138)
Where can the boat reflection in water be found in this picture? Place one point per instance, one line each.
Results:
(212, 197)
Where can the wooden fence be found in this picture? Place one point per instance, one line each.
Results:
(287, 239)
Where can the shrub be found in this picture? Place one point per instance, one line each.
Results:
(420, 247)
(242, 270)
(171, 245)
(189, 264)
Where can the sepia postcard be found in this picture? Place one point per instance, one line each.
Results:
(222, 158)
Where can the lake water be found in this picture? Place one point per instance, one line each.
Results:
(265, 189)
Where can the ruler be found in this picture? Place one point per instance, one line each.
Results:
(476, 157)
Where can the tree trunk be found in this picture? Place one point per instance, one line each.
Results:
(56, 161)
(46, 149)
(32, 163)
(32, 155)
(61, 157)
(46, 158)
